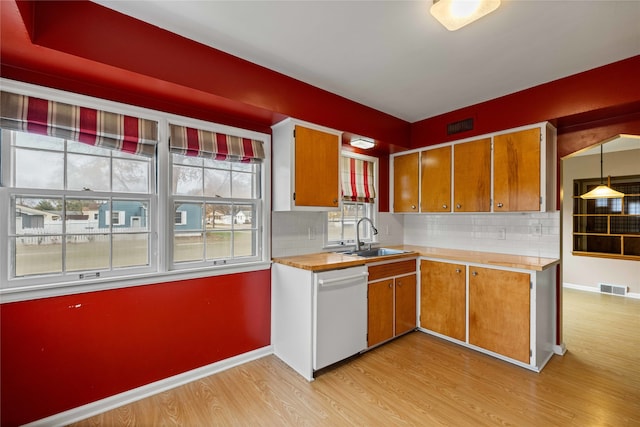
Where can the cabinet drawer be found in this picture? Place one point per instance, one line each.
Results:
(392, 269)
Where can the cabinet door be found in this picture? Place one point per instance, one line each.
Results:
(499, 311)
(472, 176)
(405, 182)
(516, 171)
(405, 304)
(317, 156)
(443, 298)
(380, 316)
(435, 193)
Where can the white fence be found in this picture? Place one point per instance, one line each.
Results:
(77, 231)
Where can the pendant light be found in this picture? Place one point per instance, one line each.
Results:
(603, 191)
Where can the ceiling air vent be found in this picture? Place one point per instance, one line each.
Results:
(460, 126)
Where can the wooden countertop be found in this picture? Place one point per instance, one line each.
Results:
(323, 261)
(488, 258)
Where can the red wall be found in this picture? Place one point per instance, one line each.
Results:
(584, 100)
(64, 352)
(59, 353)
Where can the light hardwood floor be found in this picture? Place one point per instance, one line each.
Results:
(419, 380)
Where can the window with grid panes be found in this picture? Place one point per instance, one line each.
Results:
(607, 227)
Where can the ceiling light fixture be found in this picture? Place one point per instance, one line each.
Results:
(603, 191)
(363, 143)
(455, 14)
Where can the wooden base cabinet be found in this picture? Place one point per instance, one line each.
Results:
(505, 312)
(392, 299)
(443, 294)
(499, 311)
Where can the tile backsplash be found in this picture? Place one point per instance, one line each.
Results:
(297, 233)
(533, 234)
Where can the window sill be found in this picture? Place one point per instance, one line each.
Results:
(605, 255)
(26, 293)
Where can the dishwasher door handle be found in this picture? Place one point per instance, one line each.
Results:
(341, 280)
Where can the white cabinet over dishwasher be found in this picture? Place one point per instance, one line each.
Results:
(318, 318)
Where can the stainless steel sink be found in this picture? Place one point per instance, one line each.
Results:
(368, 253)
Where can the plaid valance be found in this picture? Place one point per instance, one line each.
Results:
(86, 125)
(218, 146)
(357, 180)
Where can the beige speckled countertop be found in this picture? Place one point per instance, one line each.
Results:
(323, 261)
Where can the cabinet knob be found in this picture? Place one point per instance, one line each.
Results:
(475, 273)
(500, 205)
(391, 285)
(458, 206)
(335, 201)
(413, 206)
(458, 270)
(444, 206)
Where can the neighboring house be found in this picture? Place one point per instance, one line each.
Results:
(31, 218)
(188, 217)
(125, 214)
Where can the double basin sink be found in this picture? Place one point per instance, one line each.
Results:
(374, 252)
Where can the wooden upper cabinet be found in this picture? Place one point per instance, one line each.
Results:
(472, 176)
(443, 298)
(317, 173)
(435, 193)
(305, 167)
(516, 174)
(499, 311)
(406, 172)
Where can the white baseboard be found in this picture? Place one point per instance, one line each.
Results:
(595, 290)
(112, 402)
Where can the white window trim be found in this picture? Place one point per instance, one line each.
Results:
(22, 289)
(108, 215)
(374, 217)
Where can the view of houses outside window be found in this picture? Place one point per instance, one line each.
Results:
(99, 195)
(76, 207)
(218, 203)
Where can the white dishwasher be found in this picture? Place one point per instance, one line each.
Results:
(340, 315)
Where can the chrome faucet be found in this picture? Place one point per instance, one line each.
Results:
(358, 242)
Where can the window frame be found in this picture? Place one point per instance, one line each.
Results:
(374, 215)
(21, 289)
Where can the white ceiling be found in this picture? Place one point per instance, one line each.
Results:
(394, 57)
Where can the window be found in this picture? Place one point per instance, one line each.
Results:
(71, 215)
(607, 227)
(359, 179)
(180, 218)
(219, 205)
(122, 200)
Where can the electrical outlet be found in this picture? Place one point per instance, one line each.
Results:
(502, 233)
(536, 230)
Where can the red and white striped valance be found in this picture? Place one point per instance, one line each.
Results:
(86, 125)
(358, 183)
(218, 146)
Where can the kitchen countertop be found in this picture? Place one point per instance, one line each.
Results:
(323, 261)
